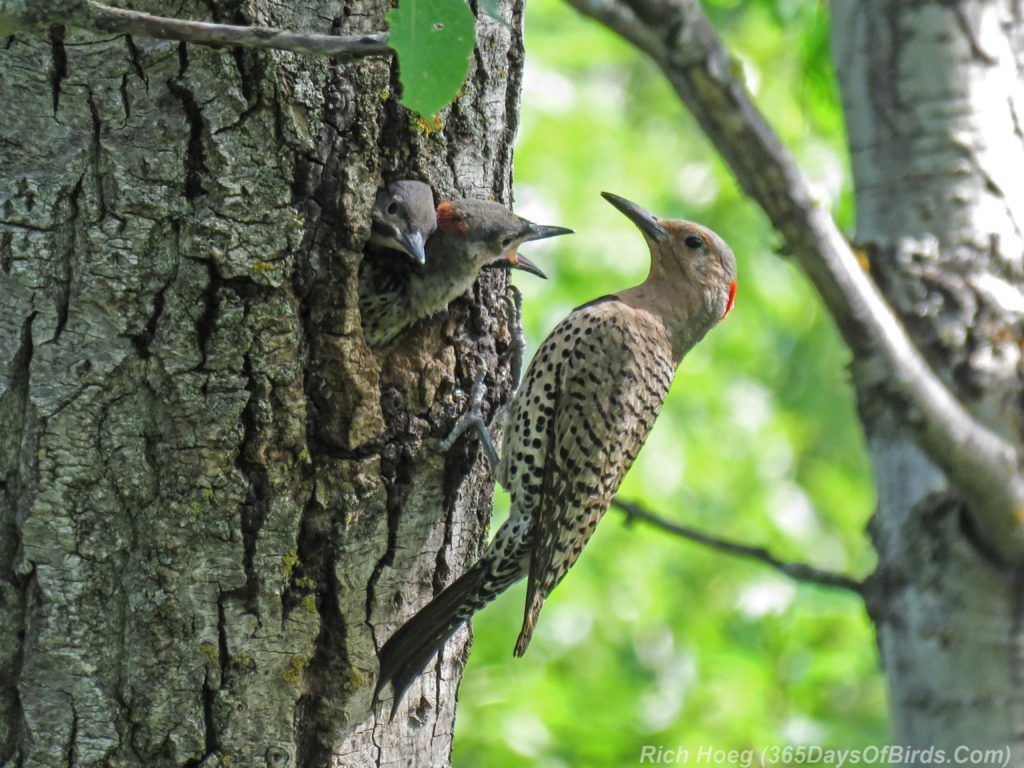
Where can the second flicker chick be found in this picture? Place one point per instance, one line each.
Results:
(471, 235)
(403, 218)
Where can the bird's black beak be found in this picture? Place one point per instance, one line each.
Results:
(645, 221)
(521, 262)
(412, 243)
(543, 232)
(534, 232)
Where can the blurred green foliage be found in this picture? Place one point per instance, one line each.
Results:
(651, 639)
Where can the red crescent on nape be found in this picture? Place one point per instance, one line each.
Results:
(450, 220)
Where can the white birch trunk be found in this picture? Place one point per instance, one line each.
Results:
(934, 101)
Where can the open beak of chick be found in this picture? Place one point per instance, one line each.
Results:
(533, 232)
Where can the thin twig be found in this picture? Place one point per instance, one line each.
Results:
(137, 23)
(681, 40)
(795, 571)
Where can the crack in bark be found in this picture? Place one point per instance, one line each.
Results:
(127, 728)
(28, 226)
(396, 484)
(15, 408)
(223, 656)
(71, 752)
(130, 728)
(207, 320)
(256, 506)
(95, 152)
(6, 252)
(247, 80)
(142, 341)
(442, 570)
(182, 59)
(1015, 118)
(195, 155)
(209, 726)
(318, 710)
(328, 678)
(126, 103)
(300, 583)
(250, 74)
(206, 323)
(135, 59)
(211, 736)
(59, 68)
(69, 236)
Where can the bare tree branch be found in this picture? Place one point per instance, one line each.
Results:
(982, 465)
(109, 19)
(795, 571)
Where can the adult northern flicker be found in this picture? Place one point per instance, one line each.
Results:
(403, 218)
(586, 405)
(471, 235)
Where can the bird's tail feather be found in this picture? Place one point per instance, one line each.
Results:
(408, 651)
(529, 624)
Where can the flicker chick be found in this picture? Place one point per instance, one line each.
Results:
(403, 218)
(587, 403)
(471, 235)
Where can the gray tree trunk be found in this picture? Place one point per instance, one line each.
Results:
(216, 500)
(934, 102)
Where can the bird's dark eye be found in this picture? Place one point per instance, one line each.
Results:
(507, 242)
(393, 207)
(694, 241)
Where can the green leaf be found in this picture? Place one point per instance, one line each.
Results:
(433, 40)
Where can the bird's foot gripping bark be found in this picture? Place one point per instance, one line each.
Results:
(473, 418)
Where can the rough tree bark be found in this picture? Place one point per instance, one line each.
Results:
(216, 500)
(934, 104)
